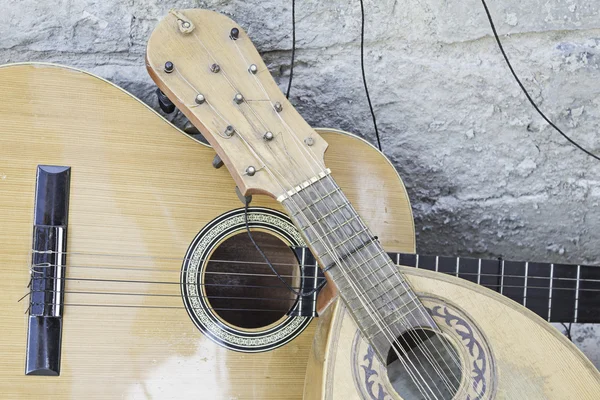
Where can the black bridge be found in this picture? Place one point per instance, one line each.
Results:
(48, 270)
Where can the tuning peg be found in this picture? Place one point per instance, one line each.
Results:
(217, 162)
(163, 101)
(190, 129)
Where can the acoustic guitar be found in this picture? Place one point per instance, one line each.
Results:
(106, 207)
(156, 291)
(394, 333)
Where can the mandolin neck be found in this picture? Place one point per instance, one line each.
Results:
(381, 300)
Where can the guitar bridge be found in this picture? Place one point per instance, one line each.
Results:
(48, 271)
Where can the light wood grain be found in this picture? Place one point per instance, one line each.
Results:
(283, 162)
(533, 360)
(141, 187)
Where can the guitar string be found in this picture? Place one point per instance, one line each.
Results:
(422, 345)
(573, 266)
(243, 264)
(159, 307)
(302, 149)
(427, 353)
(228, 81)
(486, 285)
(68, 278)
(411, 333)
(325, 245)
(160, 295)
(241, 136)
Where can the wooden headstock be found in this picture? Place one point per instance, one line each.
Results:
(206, 64)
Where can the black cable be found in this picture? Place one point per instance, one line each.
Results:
(287, 93)
(291, 289)
(362, 68)
(567, 331)
(589, 153)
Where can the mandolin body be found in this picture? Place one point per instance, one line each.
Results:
(140, 191)
(515, 353)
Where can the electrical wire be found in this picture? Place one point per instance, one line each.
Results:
(287, 94)
(362, 69)
(300, 292)
(573, 142)
(567, 330)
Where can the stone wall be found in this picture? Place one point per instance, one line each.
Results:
(486, 175)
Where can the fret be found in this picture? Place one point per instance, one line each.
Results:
(457, 265)
(446, 265)
(502, 278)
(354, 236)
(388, 303)
(538, 288)
(341, 259)
(381, 294)
(322, 198)
(386, 264)
(555, 292)
(352, 256)
(577, 293)
(382, 264)
(564, 282)
(325, 236)
(383, 282)
(408, 260)
(427, 262)
(588, 307)
(437, 264)
(525, 285)
(468, 269)
(513, 280)
(550, 292)
(490, 274)
(331, 213)
(303, 263)
(382, 322)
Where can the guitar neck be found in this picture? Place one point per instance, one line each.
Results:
(555, 292)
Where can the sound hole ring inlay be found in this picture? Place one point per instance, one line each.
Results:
(371, 378)
(193, 271)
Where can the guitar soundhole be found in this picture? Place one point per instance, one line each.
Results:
(429, 366)
(241, 288)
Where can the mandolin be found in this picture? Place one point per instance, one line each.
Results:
(395, 333)
(129, 254)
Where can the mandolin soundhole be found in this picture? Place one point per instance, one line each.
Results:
(429, 366)
(241, 288)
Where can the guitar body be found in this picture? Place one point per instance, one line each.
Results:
(512, 352)
(140, 193)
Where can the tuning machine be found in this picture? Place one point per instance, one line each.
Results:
(164, 102)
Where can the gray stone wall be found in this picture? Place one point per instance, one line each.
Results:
(486, 175)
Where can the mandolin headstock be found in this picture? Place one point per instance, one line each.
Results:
(207, 65)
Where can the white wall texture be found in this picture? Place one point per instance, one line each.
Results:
(486, 175)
